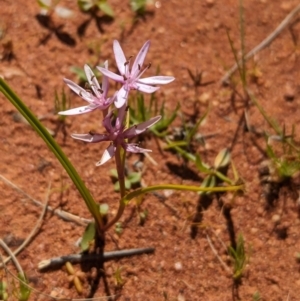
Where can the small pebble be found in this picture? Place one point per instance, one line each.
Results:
(210, 3)
(180, 297)
(204, 97)
(253, 230)
(276, 218)
(178, 266)
(260, 211)
(286, 6)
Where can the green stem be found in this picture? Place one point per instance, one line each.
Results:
(144, 190)
(120, 163)
(140, 191)
(222, 177)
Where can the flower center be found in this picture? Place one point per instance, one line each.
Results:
(131, 77)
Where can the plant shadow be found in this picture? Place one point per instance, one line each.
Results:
(58, 31)
(99, 20)
(183, 172)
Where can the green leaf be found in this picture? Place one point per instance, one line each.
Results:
(222, 159)
(3, 293)
(270, 153)
(44, 4)
(138, 5)
(194, 130)
(174, 144)
(88, 236)
(127, 184)
(104, 208)
(117, 186)
(79, 72)
(200, 165)
(164, 123)
(114, 173)
(85, 5)
(185, 154)
(239, 257)
(235, 172)
(208, 182)
(24, 292)
(134, 177)
(105, 7)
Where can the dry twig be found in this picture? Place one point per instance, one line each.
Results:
(32, 233)
(11, 256)
(60, 213)
(217, 255)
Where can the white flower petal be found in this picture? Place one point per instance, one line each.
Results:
(91, 138)
(79, 91)
(119, 56)
(77, 111)
(146, 88)
(139, 60)
(121, 98)
(133, 148)
(105, 83)
(112, 75)
(140, 128)
(107, 155)
(92, 80)
(156, 80)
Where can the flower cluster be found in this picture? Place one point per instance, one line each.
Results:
(97, 98)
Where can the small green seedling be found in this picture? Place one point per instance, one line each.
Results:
(140, 112)
(102, 5)
(23, 291)
(3, 291)
(119, 281)
(131, 179)
(279, 170)
(286, 165)
(215, 173)
(48, 7)
(238, 257)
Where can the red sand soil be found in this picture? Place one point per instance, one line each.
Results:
(184, 35)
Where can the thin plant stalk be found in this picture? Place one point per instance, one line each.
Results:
(120, 157)
(243, 64)
(120, 163)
